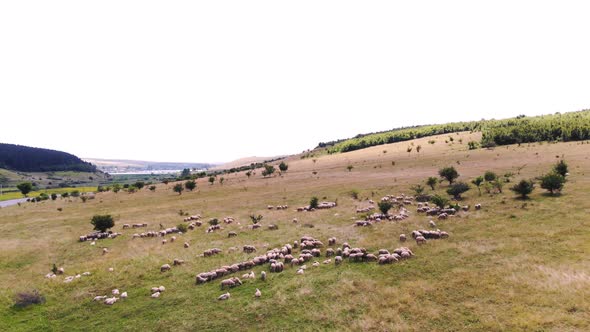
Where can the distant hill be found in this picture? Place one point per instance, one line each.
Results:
(28, 159)
(247, 161)
(127, 166)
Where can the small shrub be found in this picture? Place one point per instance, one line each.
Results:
(354, 194)
(178, 188)
(182, 227)
(75, 193)
(283, 166)
(449, 173)
(431, 181)
(25, 299)
(255, 218)
(418, 189)
(561, 168)
(313, 202)
(102, 222)
(190, 185)
(439, 201)
(472, 145)
(552, 182)
(456, 189)
(152, 188)
(523, 188)
(489, 176)
(349, 167)
(213, 222)
(53, 196)
(385, 206)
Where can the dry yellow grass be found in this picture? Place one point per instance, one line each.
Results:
(505, 267)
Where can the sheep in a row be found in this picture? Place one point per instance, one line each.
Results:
(231, 282)
(228, 220)
(194, 224)
(365, 209)
(211, 252)
(191, 218)
(213, 228)
(139, 225)
(98, 236)
(249, 249)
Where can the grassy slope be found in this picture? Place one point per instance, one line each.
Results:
(503, 268)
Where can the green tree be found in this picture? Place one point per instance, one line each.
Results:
(432, 181)
(552, 182)
(178, 188)
(53, 196)
(523, 188)
(248, 174)
(139, 184)
(152, 188)
(221, 179)
(385, 206)
(418, 189)
(190, 185)
(477, 182)
(25, 188)
(116, 188)
(185, 173)
(498, 184)
(349, 167)
(283, 166)
(313, 203)
(211, 179)
(268, 170)
(102, 222)
(561, 168)
(490, 176)
(439, 201)
(449, 173)
(458, 188)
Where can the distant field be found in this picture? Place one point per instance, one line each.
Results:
(16, 194)
(514, 265)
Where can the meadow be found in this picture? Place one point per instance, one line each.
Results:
(518, 265)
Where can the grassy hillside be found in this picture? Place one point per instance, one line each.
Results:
(513, 265)
(29, 159)
(571, 126)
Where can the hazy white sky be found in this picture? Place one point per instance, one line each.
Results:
(212, 81)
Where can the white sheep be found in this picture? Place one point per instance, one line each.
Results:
(110, 301)
(257, 293)
(124, 295)
(115, 291)
(224, 296)
(156, 295)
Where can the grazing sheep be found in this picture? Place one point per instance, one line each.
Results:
(165, 267)
(155, 295)
(420, 240)
(263, 276)
(257, 293)
(100, 298)
(178, 261)
(300, 271)
(338, 260)
(124, 295)
(232, 234)
(111, 269)
(327, 261)
(273, 227)
(329, 252)
(93, 243)
(164, 241)
(402, 238)
(432, 224)
(331, 241)
(172, 239)
(477, 206)
(60, 270)
(110, 301)
(224, 296)
(295, 220)
(115, 292)
(186, 245)
(86, 274)
(105, 250)
(249, 249)
(315, 264)
(125, 226)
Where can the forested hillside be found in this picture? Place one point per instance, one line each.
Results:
(565, 127)
(29, 159)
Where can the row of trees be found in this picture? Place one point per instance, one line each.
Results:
(570, 126)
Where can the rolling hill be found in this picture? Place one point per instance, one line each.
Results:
(514, 264)
(28, 159)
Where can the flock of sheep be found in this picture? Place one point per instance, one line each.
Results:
(309, 249)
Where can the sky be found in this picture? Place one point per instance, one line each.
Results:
(214, 81)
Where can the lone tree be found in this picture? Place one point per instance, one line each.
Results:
(139, 185)
(25, 188)
(313, 203)
(449, 173)
(552, 182)
(457, 189)
(268, 170)
(283, 166)
(385, 206)
(211, 179)
(432, 181)
(248, 174)
(490, 176)
(418, 188)
(102, 222)
(523, 188)
(561, 168)
(185, 173)
(53, 196)
(190, 185)
(349, 167)
(178, 188)
(152, 188)
(439, 201)
(477, 182)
